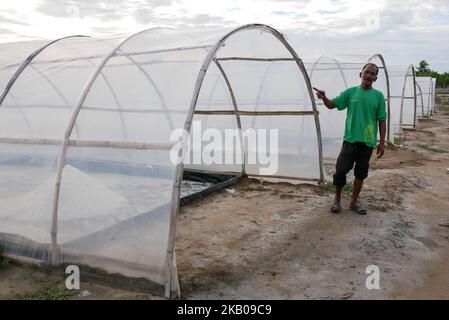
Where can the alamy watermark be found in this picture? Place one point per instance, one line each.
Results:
(373, 280)
(72, 282)
(224, 147)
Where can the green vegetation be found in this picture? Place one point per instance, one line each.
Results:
(49, 290)
(423, 70)
(3, 261)
(423, 66)
(329, 186)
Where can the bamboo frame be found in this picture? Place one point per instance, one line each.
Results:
(176, 186)
(291, 103)
(259, 94)
(422, 101)
(411, 69)
(55, 88)
(22, 113)
(171, 284)
(415, 116)
(429, 97)
(254, 59)
(123, 54)
(91, 143)
(284, 177)
(429, 92)
(434, 83)
(153, 84)
(338, 66)
(115, 97)
(55, 259)
(255, 113)
(27, 61)
(146, 75)
(22, 68)
(388, 98)
(236, 113)
(129, 110)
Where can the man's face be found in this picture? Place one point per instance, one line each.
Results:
(368, 75)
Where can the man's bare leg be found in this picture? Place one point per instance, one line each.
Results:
(355, 193)
(338, 194)
(336, 207)
(355, 196)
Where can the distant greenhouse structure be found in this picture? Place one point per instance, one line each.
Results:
(86, 135)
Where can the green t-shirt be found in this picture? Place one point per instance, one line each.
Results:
(365, 108)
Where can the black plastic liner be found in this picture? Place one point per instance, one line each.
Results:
(220, 182)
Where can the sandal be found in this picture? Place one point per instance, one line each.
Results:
(357, 208)
(336, 207)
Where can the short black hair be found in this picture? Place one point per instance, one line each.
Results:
(371, 64)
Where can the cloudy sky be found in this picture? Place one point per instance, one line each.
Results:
(404, 31)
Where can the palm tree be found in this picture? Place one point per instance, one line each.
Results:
(423, 66)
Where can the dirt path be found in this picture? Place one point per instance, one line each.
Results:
(279, 241)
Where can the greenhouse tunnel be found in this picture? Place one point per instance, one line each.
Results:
(86, 136)
(427, 91)
(404, 102)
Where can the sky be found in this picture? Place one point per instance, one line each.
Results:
(403, 31)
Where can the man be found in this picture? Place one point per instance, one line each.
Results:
(365, 108)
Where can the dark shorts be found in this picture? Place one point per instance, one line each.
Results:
(352, 152)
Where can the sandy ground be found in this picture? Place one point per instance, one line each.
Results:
(263, 240)
(279, 241)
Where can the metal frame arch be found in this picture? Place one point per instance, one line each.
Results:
(415, 118)
(429, 97)
(387, 80)
(114, 96)
(55, 258)
(53, 86)
(24, 65)
(312, 70)
(411, 69)
(214, 88)
(433, 95)
(27, 61)
(336, 62)
(430, 94)
(155, 87)
(259, 94)
(421, 85)
(25, 119)
(237, 116)
(422, 101)
(171, 276)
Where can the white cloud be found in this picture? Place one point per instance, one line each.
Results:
(406, 30)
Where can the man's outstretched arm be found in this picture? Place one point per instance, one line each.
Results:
(322, 95)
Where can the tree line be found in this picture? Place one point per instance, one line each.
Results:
(423, 70)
